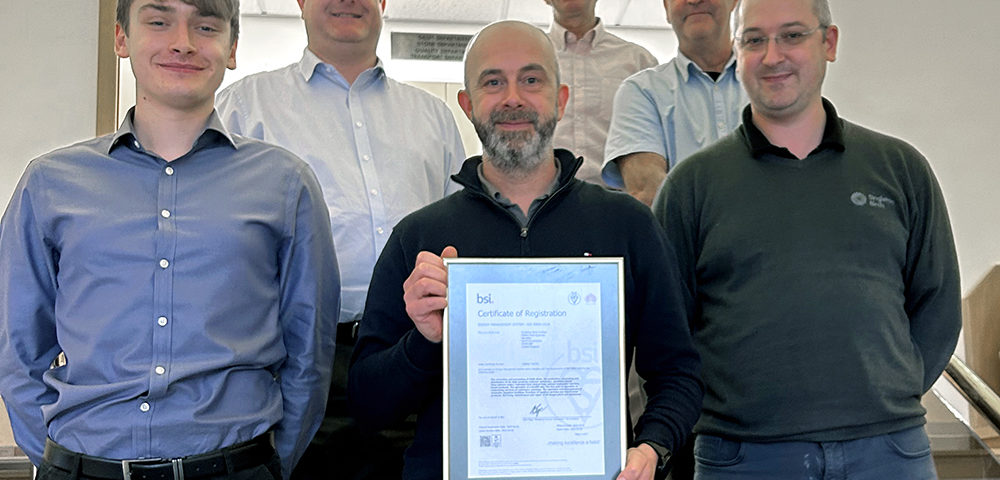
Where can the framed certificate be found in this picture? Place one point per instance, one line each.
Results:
(534, 380)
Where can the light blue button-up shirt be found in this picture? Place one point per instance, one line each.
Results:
(196, 300)
(673, 110)
(380, 148)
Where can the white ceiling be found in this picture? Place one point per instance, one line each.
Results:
(621, 13)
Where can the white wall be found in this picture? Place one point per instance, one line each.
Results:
(49, 80)
(47, 88)
(927, 72)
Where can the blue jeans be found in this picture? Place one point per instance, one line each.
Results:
(905, 454)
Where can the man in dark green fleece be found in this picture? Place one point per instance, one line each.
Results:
(821, 261)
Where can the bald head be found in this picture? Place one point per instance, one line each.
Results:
(509, 38)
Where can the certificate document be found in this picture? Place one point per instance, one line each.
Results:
(534, 383)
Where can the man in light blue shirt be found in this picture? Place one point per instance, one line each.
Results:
(187, 275)
(664, 114)
(380, 148)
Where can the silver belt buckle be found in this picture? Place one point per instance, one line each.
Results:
(178, 468)
(127, 466)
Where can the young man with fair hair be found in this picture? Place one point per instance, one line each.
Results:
(821, 260)
(520, 199)
(187, 275)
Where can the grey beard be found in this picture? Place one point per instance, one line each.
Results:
(516, 153)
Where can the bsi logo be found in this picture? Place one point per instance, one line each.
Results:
(580, 354)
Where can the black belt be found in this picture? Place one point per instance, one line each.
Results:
(347, 333)
(241, 456)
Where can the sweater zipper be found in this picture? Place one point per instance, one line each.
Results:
(524, 230)
(526, 227)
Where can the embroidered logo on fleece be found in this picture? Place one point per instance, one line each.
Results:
(871, 200)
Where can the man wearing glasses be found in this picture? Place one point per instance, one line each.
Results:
(821, 260)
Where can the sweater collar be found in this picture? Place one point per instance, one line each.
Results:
(468, 176)
(833, 135)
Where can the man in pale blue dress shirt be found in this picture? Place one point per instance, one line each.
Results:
(381, 149)
(664, 114)
(187, 275)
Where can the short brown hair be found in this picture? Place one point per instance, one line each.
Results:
(225, 9)
(821, 8)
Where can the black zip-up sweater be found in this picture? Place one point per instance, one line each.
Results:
(396, 371)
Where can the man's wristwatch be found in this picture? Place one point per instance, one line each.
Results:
(663, 454)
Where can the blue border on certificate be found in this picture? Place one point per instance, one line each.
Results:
(607, 272)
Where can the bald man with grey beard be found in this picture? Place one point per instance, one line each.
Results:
(520, 199)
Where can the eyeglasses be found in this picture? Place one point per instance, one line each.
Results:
(753, 42)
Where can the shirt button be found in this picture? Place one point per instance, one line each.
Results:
(165, 213)
(160, 370)
(169, 170)
(374, 192)
(358, 124)
(144, 406)
(379, 230)
(366, 157)
(164, 263)
(162, 321)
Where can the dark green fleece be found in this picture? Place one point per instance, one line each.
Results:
(826, 290)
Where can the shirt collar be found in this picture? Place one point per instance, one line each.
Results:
(495, 194)
(560, 35)
(310, 63)
(214, 132)
(215, 125)
(833, 135)
(686, 65)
